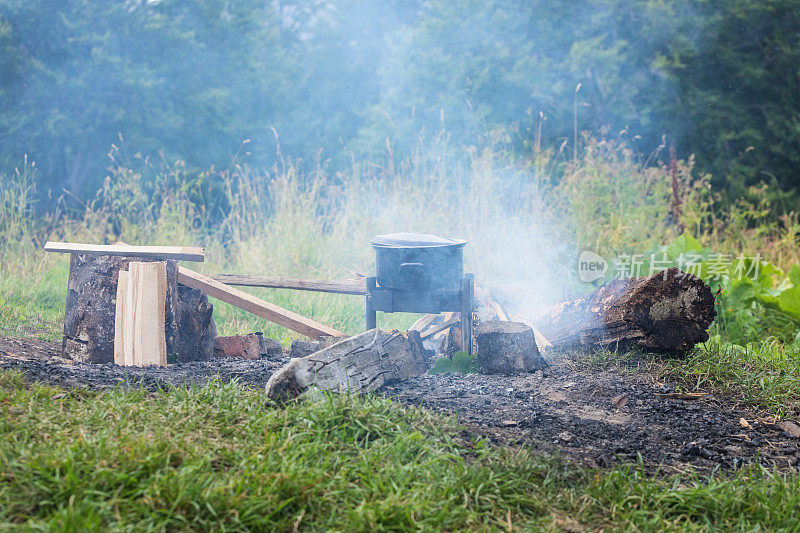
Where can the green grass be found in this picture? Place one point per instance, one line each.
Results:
(31, 308)
(763, 375)
(221, 458)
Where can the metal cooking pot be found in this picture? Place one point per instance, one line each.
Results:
(418, 261)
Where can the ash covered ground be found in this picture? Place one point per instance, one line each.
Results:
(563, 409)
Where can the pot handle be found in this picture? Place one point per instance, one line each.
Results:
(413, 273)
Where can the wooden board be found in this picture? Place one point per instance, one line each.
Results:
(119, 321)
(255, 305)
(354, 286)
(179, 253)
(139, 335)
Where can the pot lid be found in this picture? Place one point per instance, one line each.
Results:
(414, 240)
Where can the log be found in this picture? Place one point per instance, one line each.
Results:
(668, 311)
(89, 318)
(255, 305)
(355, 286)
(507, 348)
(178, 253)
(362, 363)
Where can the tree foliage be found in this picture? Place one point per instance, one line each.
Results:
(327, 79)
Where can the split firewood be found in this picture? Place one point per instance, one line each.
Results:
(668, 311)
(140, 322)
(495, 306)
(421, 324)
(362, 363)
(446, 325)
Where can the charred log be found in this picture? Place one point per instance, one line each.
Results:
(668, 311)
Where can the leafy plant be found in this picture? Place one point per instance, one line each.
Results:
(461, 362)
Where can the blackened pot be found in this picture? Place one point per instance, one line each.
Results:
(418, 262)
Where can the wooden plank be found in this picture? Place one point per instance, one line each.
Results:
(354, 286)
(149, 337)
(120, 320)
(179, 253)
(257, 306)
(139, 323)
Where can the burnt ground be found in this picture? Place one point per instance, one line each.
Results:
(560, 410)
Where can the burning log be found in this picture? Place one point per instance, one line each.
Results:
(668, 311)
(365, 362)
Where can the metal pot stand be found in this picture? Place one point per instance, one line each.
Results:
(423, 299)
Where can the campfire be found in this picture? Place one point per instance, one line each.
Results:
(133, 305)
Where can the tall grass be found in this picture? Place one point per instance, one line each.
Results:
(525, 218)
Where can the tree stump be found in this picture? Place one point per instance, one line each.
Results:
(91, 305)
(507, 348)
(668, 311)
(365, 362)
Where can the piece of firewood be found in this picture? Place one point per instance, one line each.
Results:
(90, 314)
(354, 286)
(178, 253)
(507, 348)
(495, 306)
(362, 363)
(668, 311)
(139, 338)
(421, 324)
(441, 327)
(255, 305)
(120, 336)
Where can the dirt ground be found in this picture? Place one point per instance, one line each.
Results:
(559, 410)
